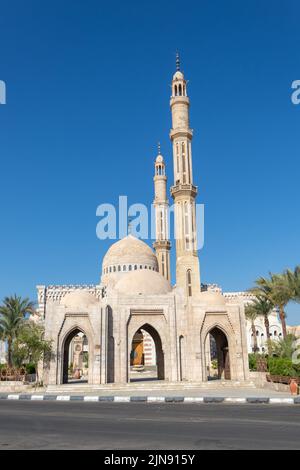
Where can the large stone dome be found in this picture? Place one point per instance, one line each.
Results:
(126, 255)
(143, 283)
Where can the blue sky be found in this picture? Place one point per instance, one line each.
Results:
(88, 87)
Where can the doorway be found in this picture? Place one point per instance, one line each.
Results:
(146, 356)
(217, 355)
(76, 357)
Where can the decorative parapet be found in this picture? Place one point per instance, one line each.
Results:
(57, 293)
(245, 296)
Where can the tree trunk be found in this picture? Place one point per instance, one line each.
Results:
(9, 352)
(267, 326)
(254, 337)
(282, 319)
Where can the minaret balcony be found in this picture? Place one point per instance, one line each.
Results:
(181, 132)
(179, 99)
(162, 244)
(184, 189)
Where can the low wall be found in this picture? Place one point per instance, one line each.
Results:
(260, 380)
(14, 386)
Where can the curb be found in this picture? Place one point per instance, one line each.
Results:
(150, 399)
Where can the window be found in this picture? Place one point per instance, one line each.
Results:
(135, 266)
(177, 157)
(130, 267)
(186, 226)
(119, 268)
(124, 268)
(183, 162)
(189, 282)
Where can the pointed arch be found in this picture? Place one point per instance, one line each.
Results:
(68, 337)
(160, 362)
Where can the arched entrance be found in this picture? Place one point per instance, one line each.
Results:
(75, 357)
(217, 355)
(146, 357)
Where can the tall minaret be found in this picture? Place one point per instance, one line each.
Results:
(183, 191)
(162, 244)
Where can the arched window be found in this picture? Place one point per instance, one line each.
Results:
(110, 269)
(124, 268)
(135, 266)
(186, 226)
(130, 267)
(177, 157)
(189, 282)
(119, 268)
(183, 162)
(115, 269)
(175, 88)
(141, 267)
(180, 90)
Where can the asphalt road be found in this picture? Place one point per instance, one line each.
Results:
(67, 425)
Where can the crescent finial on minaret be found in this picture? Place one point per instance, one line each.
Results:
(177, 61)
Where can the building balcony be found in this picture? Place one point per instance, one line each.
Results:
(184, 189)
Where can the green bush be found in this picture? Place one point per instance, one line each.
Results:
(252, 361)
(283, 366)
(30, 368)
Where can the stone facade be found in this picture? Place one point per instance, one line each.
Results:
(275, 324)
(135, 294)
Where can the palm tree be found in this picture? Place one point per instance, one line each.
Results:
(278, 291)
(13, 311)
(263, 307)
(283, 347)
(251, 315)
(293, 279)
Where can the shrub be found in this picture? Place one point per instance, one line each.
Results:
(283, 366)
(252, 361)
(30, 368)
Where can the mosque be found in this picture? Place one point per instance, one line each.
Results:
(134, 320)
